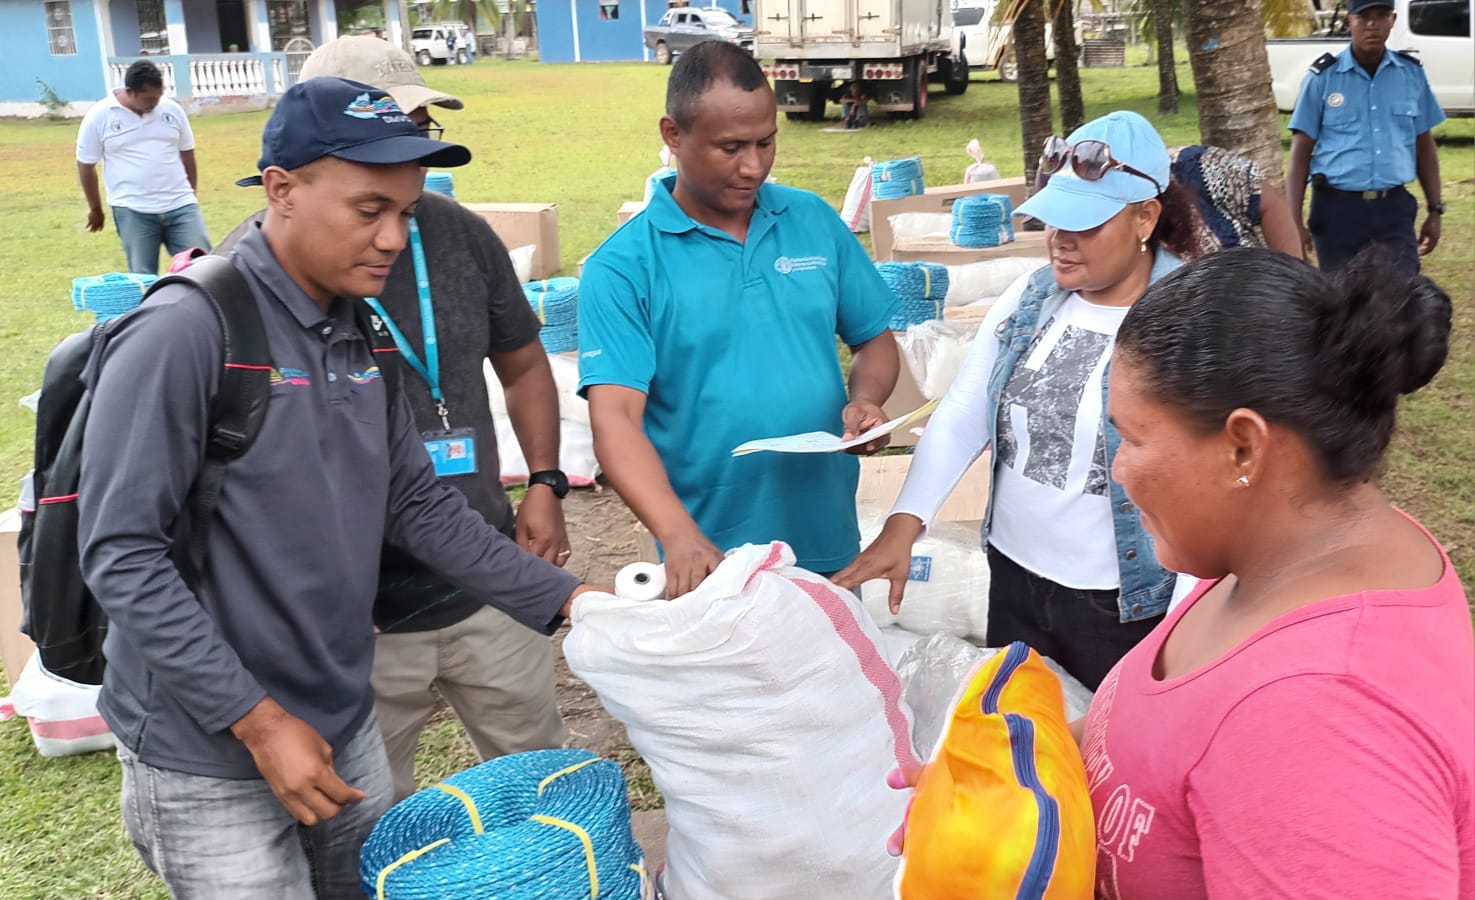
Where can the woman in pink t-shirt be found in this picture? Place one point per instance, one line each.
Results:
(1303, 725)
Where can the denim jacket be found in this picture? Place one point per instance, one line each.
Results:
(1146, 586)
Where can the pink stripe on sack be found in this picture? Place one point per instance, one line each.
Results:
(872, 665)
(69, 729)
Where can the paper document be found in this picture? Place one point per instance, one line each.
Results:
(824, 442)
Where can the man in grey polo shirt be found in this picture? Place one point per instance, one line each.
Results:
(252, 764)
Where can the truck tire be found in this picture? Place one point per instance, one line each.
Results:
(663, 53)
(919, 88)
(423, 58)
(956, 79)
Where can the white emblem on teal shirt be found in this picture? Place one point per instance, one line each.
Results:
(786, 265)
(1335, 100)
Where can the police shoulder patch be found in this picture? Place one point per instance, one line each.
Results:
(1321, 63)
(1410, 56)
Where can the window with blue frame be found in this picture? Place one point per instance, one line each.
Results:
(59, 28)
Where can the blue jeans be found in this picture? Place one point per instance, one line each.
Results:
(144, 233)
(231, 839)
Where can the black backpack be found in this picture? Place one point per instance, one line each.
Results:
(61, 615)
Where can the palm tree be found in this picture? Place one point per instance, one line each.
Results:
(1231, 74)
(1035, 112)
(1067, 67)
(1167, 73)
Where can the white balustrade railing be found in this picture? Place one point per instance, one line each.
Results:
(213, 75)
(231, 75)
(118, 70)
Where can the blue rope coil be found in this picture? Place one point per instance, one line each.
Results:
(542, 825)
(897, 178)
(556, 301)
(982, 220)
(920, 286)
(110, 295)
(441, 183)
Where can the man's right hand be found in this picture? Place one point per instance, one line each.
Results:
(95, 219)
(889, 556)
(690, 558)
(295, 761)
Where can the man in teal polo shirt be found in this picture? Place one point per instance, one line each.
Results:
(710, 319)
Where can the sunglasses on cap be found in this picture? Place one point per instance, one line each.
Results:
(1090, 160)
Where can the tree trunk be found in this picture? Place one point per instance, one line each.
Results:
(404, 26)
(1167, 74)
(1067, 68)
(1231, 73)
(1035, 111)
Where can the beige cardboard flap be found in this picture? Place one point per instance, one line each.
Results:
(520, 224)
(881, 478)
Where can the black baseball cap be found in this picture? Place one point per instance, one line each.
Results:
(336, 117)
(1357, 6)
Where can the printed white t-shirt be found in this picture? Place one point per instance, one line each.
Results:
(1052, 512)
(141, 168)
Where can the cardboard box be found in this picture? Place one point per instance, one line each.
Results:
(881, 478)
(905, 397)
(939, 249)
(628, 210)
(520, 224)
(15, 648)
(934, 200)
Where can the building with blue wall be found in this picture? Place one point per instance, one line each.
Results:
(605, 30)
(212, 53)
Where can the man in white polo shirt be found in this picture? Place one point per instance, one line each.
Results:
(147, 151)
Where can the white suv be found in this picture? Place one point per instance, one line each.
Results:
(428, 43)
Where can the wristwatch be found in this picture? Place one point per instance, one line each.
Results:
(554, 479)
(1437, 208)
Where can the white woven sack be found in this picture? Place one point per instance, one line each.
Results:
(987, 279)
(947, 592)
(769, 718)
(856, 211)
(934, 352)
(62, 714)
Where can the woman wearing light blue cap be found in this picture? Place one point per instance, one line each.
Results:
(1073, 572)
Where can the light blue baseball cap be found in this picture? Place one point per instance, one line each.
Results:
(1071, 203)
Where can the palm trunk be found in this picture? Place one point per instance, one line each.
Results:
(1067, 68)
(1167, 75)
(404, 26)
(1035, 111)
(1231, 73)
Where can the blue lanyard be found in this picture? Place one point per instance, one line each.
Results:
(430, 368)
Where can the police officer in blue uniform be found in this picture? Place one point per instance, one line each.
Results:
(1361, 129)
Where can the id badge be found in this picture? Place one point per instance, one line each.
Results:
(452, 452)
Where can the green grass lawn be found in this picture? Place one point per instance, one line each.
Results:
(585, 137)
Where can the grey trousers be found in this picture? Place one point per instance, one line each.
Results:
(231, 839)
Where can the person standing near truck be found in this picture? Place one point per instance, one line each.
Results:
(1361, 129)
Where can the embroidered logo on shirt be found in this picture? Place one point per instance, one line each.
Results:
(289, 376)
(591, 354)
(785, 265)
(169, 117)
(1335, 100)
(372, 374)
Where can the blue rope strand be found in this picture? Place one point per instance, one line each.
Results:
(512, 828)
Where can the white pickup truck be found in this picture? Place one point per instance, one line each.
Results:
(1437, 31)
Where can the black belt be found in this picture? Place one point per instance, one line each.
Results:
(1319, 183)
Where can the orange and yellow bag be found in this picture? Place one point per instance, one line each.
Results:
(1002, 809)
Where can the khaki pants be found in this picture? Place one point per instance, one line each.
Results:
(496, 673)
